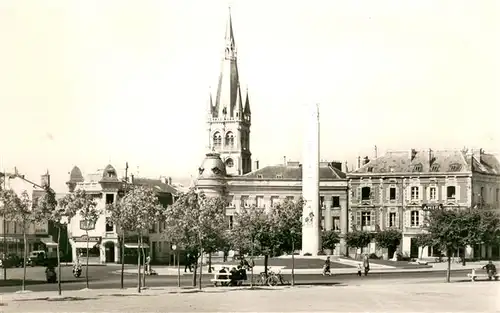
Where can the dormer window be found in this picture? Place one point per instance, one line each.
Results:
(260, 176)
(370, 169)
(435, 168)
(417, 168)
(455, 167)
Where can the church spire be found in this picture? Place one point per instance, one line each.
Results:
(228, 102)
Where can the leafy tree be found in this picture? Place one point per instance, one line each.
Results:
(82, 203)
(329, 239)
(453, 229)
(47, 209)
(193, 221)
(136, 212)
(423, 240)
(388, 239)
(19, 210)
(358, 239)
(490, 227)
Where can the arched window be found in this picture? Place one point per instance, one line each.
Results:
(229, 162)
(229, 139)
(217, 139)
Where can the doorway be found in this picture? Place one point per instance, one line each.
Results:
(109, 247)
(413, 248)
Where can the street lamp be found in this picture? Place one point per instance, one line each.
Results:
(86, 225)
(174, 247)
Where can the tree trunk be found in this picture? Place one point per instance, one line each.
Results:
(421, 252)
(59, 289)
(448, 268)
(87, 263)
(23, 288)
(201, 268)
(143, 264)
(266, 261)
(195, 269)
(463, 257)
(122, 258)
(210, 262)
(251, 269)
(138, 265)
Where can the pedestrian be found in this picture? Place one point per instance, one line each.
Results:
(359, 269)
(188, 263)
(366, 264)
(148, 265)
(326, 267)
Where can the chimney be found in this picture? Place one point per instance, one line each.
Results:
(366, 160)
(359, 162)
(284, 160)
(45, 180)
(163, 180)
(376, 155)
(413, 154)
(431, 157)
(256, 164)
(170, 180)
(346, 167)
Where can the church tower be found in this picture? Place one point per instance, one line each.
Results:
(229, 117)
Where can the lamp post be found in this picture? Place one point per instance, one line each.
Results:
(174, 247)
(292, 232)
(87, 225)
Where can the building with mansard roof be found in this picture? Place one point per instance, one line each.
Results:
(227, 168)
(397, 189)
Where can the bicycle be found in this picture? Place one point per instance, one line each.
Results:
(272, 278)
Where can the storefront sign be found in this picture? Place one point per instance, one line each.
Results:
(92, 239)
(428, 207)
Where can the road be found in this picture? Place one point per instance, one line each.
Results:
(103, 277)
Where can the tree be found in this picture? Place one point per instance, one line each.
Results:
(490, 227)
(423, 240)
(136, 212)
(268, 232)
(19, 209)
(358, 239)
(82, 203)
(453, 229)
(193, 221)
(47, 209)
(329, 239)
(388, 239)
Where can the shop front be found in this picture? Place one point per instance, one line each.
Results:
(79, 249)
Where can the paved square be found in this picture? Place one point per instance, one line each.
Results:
(382, 297)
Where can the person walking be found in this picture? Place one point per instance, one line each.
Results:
(326, 267)
(188, 263)
(366, 264)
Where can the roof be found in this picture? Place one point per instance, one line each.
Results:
(156, 184)
(293, 172)
(425, 161)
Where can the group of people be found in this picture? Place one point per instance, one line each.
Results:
(236, 274)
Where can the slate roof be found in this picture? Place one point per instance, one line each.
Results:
(156, 184)
(440, 161)
(293, 172)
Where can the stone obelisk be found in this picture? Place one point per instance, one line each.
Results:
(311, 214)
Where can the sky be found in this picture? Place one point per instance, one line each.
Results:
(89, 83)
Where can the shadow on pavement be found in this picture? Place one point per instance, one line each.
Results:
(31, 282)
(57, 299)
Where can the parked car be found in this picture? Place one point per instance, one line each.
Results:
(37, 258)
(11, 260)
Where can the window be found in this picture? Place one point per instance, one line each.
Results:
(279, 176)
(432, 193)
(109, 225)
(229, 163)
(455, 167)
(260, 176)
(365, 193)
(244, 201)
(414, 193)
(217, 139)
(415, 218)
(110, 198)
(392, 193)
(450, 192)
(231, 221)
(290, 198)
(336, 223)
(260, 201)
(229, 139)
(417, 168)
(322, 223)
(482, 195)
(435, 167)
(366, 218)
(152, 228)
(335, 201)
(392, 219)
(497, 197)
(321, 201)
(370, 169)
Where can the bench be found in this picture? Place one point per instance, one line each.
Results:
(224, 279)
(480, 273)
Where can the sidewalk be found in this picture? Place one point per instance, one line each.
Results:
(394, 297)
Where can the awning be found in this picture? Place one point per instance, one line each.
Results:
(135, 246)
(48, 242)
